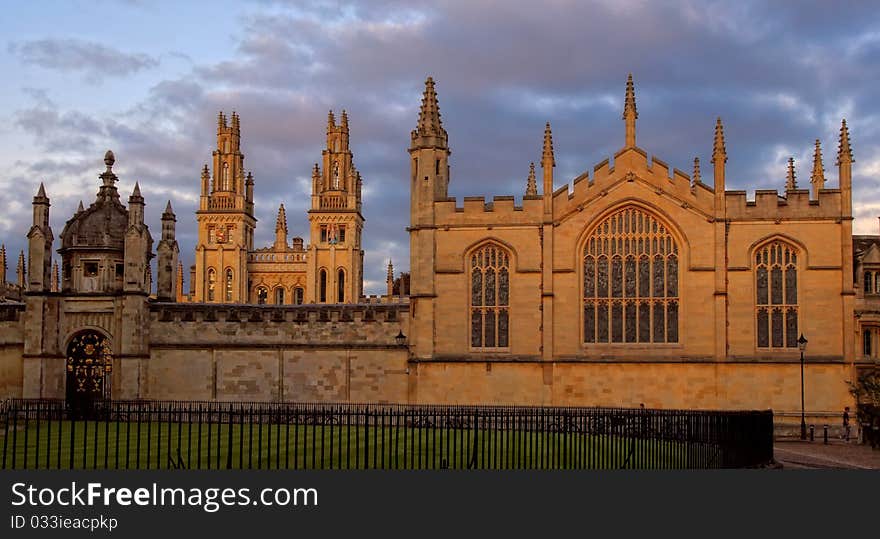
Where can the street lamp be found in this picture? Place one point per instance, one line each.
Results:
(802, 345)
(400, 339)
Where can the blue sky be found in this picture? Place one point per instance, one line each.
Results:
(147, 79)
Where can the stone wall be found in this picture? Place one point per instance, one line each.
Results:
(11, 349)
(326, 353)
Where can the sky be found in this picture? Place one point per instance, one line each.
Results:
(147, 79)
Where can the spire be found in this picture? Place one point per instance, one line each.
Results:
(236, 126)
(281, 221)
(818, 176)
(41, 193)
(80, 209)
(55, 281)
(429, 115)
(137, 190)
(547, 164)
(718, 149)
(844, 151)
(389, 278)
(344, 124)
(21, 271)
(695, 178)
(281, 229)
(630, 114)
(169, 212)
(531, 184)
(331, 121)
(221, 121)
(790, 178)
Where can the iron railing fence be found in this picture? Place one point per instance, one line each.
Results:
(282, 435)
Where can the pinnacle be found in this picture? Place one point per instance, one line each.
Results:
(790, 179)
(168, 209)
(531, 183)
(331, 120)
(547, 156)
(80, 208)
(818, 175)
(719, 150)
(429, 115)
(844, 151)
(629, 105)
(696, 175)
(41, 193)
(281, 221)
(137, 190)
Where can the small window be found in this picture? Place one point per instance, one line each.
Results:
(212, 238)
(262, 295)
(437, 166)
(340, 286)
(322, 286)
(866, 339)
(341, 234)
(298, 296)
(868, 282)
(279, 296)
(323, 233)
(120, 269)
(90, 269)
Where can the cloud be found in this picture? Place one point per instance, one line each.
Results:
(94, 60)
(780, 75)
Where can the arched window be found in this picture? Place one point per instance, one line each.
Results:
(322, 286)
(630, 271)
(336, 176)
(777, 297)
(490, 297)
(298, 295)
(229, 285)
(340, 285)
(225, 177)
(279, 296)
(262, 295)
(212, 283)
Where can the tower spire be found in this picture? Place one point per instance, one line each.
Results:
(630, 114)
(429, 130)
(281, 229)
(695, 177)
(331, 121)
(531, 183)
(844, 151)
(344, 123)
(817, 179)
(790, 178)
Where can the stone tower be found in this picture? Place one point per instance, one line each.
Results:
(168, 251)
(429, 164)
(225, 221)
(40, 245)
(335, 258)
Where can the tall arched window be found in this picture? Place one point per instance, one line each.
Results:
(340, 285)
(229, 284)
(490, 297)
(298, 295)
(322, 286)
(226, 184)
(630, 270)
(262, 295)
(279, 296)
(212, 283)
(777, 297)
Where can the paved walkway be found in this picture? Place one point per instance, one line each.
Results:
(796, 454)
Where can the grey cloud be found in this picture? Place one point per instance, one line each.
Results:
(95, 60)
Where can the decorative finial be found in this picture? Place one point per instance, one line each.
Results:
(137, 190)
(344, 119)
(695, 178)
(41, 192)
(630, 113)
(331, 120)
(818, 176)
(169, 212)
(80, 208)
(790, 178)
(109, 159)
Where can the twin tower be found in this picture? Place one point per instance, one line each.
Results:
(230, 269)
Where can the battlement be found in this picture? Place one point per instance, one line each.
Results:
(770, 203)
(311, 313)
(476, 210)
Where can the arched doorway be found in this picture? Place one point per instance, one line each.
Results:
(89, 365)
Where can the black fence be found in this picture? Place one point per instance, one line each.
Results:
(223, 435)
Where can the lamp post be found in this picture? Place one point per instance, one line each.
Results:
(400, 339)
(802, 345)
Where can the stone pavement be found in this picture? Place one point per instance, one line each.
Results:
(797, 454)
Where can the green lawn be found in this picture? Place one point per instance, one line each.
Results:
(89, 444)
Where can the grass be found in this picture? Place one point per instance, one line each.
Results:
(151, 445)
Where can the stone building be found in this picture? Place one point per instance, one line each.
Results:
(636, 283)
